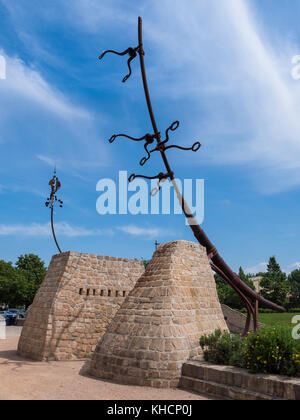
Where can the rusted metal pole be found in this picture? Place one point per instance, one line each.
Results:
(53, 231)
(199, 233)
(55, 185)
(249, 296)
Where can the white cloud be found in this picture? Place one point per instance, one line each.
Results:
(262, 97)
(216, 54)
(147, 232)
(49, 161)
(262, 268)
(259, 268)
(42, 230)
(292, 267)
(93, 15)
(37, 116)
(24, 81)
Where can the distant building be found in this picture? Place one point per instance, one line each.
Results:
(256, 281)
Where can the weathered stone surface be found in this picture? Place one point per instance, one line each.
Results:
(159, 325)
(238, 384)
(236, 321)
(77, 300)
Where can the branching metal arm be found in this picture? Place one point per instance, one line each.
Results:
(132, 52)
(250, 297)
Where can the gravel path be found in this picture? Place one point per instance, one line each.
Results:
(27, 380)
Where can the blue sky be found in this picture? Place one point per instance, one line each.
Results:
(221, 67)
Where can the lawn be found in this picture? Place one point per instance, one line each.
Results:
(278, 319)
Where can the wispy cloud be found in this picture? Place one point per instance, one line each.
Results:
(219, 52)
(259, 268)
(149, 232)
(49, 161)
(292, 267)
(26, 82)
(262, 268)
(42, 230)
(260, 125)
(216, 55)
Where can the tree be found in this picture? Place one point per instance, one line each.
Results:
(294, 281)
(14, 289)
(18, 285)
(274, 284)
(226, 293)
(33, 269)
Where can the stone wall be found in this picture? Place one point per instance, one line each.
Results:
(159, 325)
(236, 321)
(76, 302)
(229, 382)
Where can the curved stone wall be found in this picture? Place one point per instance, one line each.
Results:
(159, 325)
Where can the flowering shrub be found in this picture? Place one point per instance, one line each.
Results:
(271, 350)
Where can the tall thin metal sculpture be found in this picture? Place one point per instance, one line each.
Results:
(55, 185)
(219, 266)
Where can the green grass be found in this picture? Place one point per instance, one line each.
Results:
(277, 319)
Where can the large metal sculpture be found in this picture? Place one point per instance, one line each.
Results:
(250, 297)
(55, 185)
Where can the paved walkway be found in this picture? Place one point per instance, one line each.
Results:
(28, 380)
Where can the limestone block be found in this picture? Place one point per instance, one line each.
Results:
(159, 325)
(75, 304)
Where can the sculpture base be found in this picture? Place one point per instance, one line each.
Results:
(78, 299)
(159, 325)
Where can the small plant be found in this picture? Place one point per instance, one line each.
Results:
(272, 350)
(222, 348)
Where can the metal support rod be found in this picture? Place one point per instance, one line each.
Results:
(53, 231)
(55, 185)
(249, 296)
(248, 305)
(199, 233)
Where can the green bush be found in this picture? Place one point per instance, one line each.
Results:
(261, 311)
(271, 350)
(223, 349)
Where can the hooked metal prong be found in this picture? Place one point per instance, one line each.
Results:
(172, 127)
(154, 192)
(131, 51)
(161, 176)
(196, 146)
(113, 138)
(129, 66)
(113, 52)
(131, 178)
(149, 140)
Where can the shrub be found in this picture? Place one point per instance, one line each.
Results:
(223, 349)
(272, 350)
(261, 311)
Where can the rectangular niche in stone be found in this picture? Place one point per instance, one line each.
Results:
(73, 308)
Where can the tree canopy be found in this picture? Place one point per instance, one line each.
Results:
(227, 295)
(294, 281)
(274, 284)
(19, 284)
